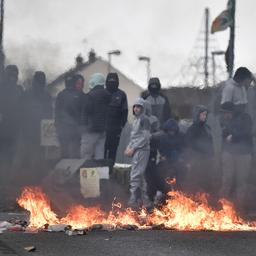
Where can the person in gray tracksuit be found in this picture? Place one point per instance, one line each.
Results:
(139, 150)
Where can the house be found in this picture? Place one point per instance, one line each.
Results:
(96, 65)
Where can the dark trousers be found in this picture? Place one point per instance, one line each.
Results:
(168, 169)
(70, 143)
(111, 144)
(151, 175)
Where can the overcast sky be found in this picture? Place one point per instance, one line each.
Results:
(48, 34)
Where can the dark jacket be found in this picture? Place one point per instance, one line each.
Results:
(198, 136)
(95, 109)
(68, 109)
(169, 145)
(10, 110)
(240, 127)
(117, 111)
(160, 104)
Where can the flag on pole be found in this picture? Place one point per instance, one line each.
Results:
(224, 20)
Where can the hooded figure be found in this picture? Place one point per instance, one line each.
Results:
(235, 89)
(10, 105)
(94, 119)
(236, 153)
(68, 116)
(138, 149)
(200, 153)
(116, 116)
(169, 143)
(159, 103)
(199, 137)
(36, 105)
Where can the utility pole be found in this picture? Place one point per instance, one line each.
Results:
(206, 73)
(1, 40)
(214, 53)
(147, 60)
(231, 47)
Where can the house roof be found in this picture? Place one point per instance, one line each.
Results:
(83, 66)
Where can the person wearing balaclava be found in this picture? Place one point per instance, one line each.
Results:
(68, 112)
(36, 105)
(94, 119)
(159, 103)
(10, 103)
(116, 116)
(200, 152)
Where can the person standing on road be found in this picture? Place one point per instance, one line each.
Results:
(235, 89)
(95, 109)
(116, 117)
(236, 153)
(68, 111)
(200, 152)
(10, 103)
(139, 150)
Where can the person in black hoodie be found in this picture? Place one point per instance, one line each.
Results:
(159, 103)
(94, 116)
(236, 152)
(116, 117)
(36, 106)
(10, 104)
(68, 112)
(170, 145)
(200, 152)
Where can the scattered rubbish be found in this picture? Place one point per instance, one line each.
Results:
(16, 228)
(30, 248)
(95, 227)
(5, 224)
(146, 228)
(58, 228)
(2, 230)
(108, 227)
(158, 227)
(30, 230)
(129, 227)
(76, 232)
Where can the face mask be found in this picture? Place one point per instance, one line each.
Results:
(112, 86)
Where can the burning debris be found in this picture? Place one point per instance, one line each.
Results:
(181, 212)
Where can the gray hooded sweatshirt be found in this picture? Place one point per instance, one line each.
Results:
(154, 122)
(140, 134)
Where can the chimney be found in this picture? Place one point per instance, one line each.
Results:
(92, 56)
(79, 60)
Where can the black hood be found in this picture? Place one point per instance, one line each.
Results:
(39, 81)
(112, 82)
(11, 74)
(154, 86)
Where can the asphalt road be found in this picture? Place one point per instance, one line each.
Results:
(130, 243)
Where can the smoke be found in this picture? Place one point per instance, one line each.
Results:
(34, 55)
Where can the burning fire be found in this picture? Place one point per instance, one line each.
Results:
(180, 212)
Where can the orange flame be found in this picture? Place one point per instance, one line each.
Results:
(180, 212)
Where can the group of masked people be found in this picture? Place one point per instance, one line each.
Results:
(166, 156)
(89, 125)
